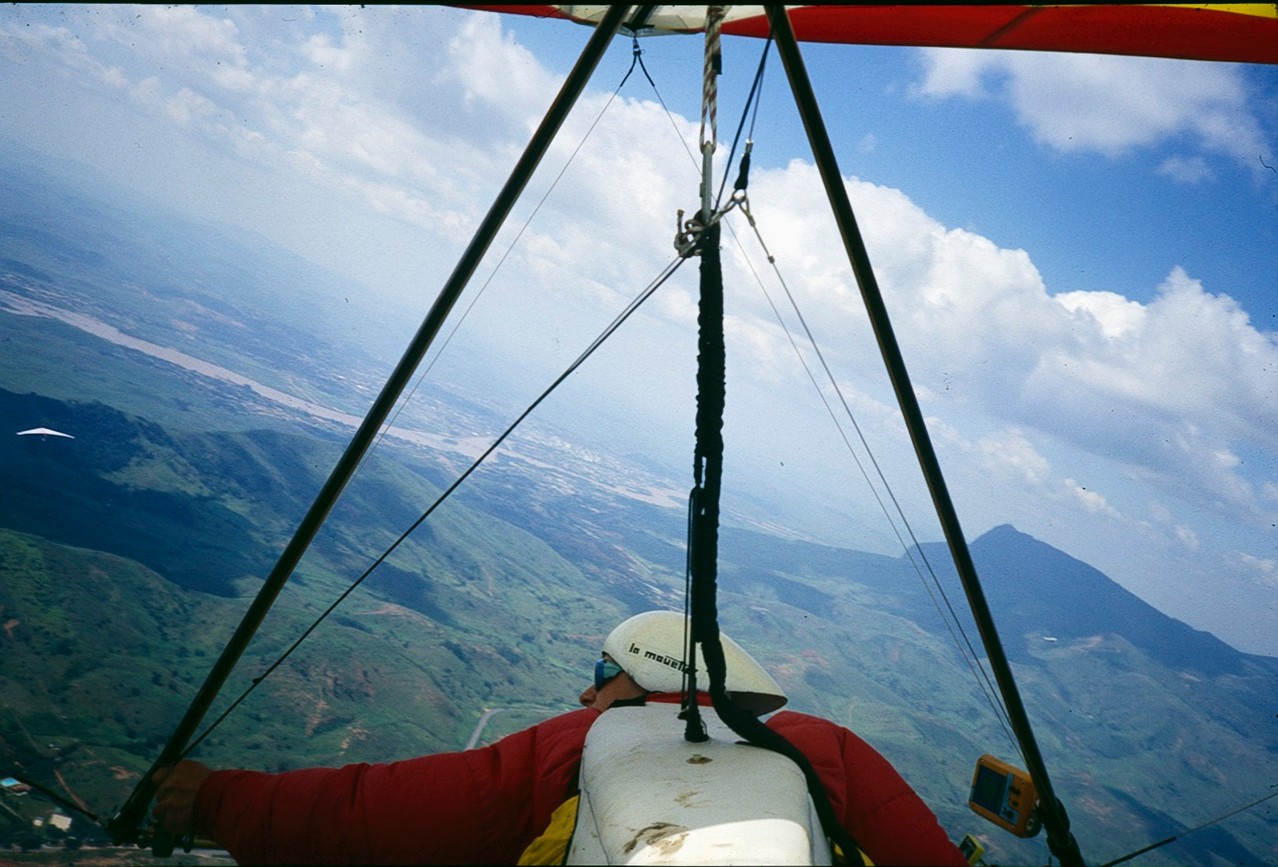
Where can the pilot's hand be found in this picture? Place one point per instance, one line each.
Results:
(176, 788)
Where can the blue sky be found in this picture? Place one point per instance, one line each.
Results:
(1078, 252)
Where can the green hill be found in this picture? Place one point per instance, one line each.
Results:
(105, 649)
(132, 553)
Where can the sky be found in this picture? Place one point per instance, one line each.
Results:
(1078, 253)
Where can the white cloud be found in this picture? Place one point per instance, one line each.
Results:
(496, 71)
(186, 106)
(1166, 386)
(1011, 449)
(189, 44)
(954, 73)
(1262, 570)
(322, 100)
(1170, 388)
(1186, 170)
(1106, 104)
(1115, 315)
(1091, 500)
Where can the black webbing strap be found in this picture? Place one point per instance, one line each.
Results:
(703, 534)
(703, 548)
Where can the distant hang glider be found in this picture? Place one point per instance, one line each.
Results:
(44, 432)
(1241, 32)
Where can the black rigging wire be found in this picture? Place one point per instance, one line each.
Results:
(125, 825)
(448, 339)
(1174, 837)
(616, 323)
(751, 109)
(58, 799)
(636, 59)
(953, 621)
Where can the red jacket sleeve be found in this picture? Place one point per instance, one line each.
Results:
(877, 806)
(474, 807)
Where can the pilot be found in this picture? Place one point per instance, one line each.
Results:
(495, 804)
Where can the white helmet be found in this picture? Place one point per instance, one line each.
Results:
(650, 648)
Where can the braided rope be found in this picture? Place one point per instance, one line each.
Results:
(710, 105)
(710, 88)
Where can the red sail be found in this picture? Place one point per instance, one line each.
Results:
(1241, 32)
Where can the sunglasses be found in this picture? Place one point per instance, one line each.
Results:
(605, 670)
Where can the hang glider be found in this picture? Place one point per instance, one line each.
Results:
(44, 432)
(1241, 32)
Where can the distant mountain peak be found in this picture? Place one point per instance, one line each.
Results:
(1035, 589)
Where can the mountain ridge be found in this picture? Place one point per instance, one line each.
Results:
(1045, 601)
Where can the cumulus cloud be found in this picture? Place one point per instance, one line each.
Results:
(1168, 386)
(1105, 104)
(1171, 388)
(1114, 314)
(1188, 354)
